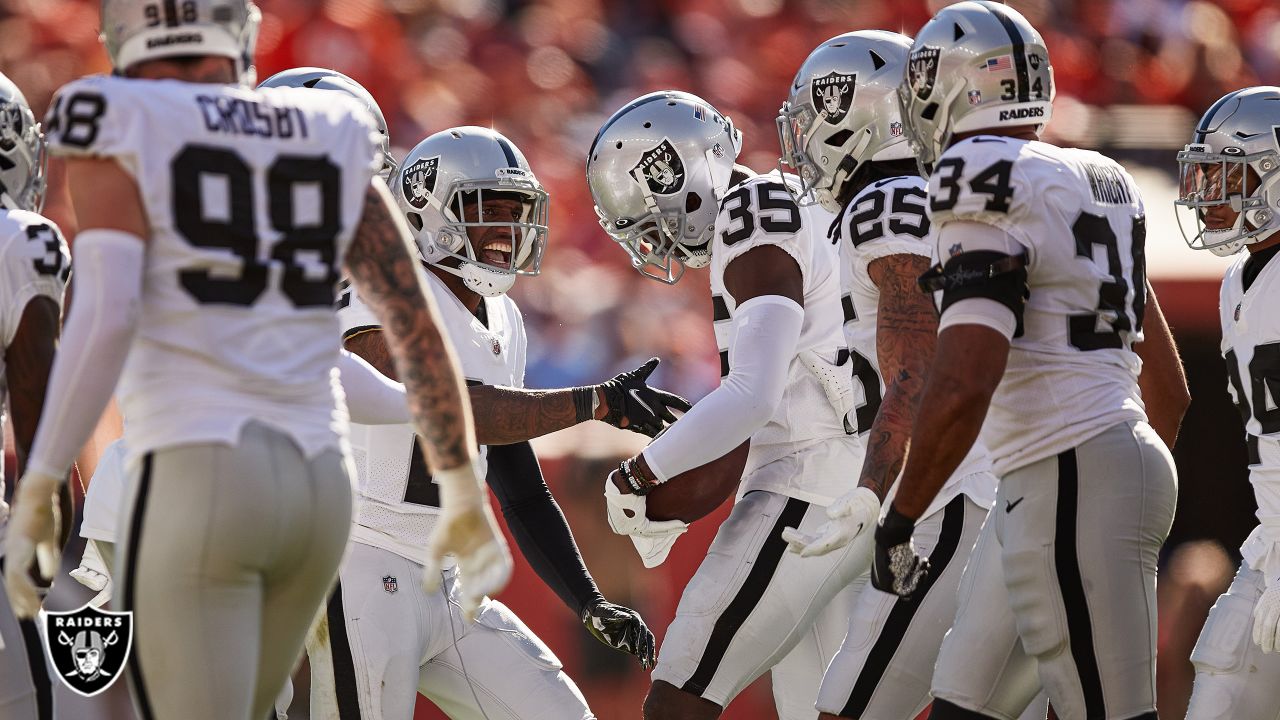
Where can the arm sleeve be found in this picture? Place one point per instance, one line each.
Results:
(765, 333)
(95, 343)
(539, 527)
(372, 398)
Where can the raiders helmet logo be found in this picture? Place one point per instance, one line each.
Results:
(833, 94)
(88, 647)
(418, 181)
(922, 71)
(661, 168)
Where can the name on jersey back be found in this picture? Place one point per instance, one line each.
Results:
(237, 116)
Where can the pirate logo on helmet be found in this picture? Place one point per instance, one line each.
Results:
(661, 169)
(833, 94)
(418, 181)
(922, 71)
(88, 647)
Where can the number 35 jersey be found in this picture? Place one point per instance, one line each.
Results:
(399, 500)
(1250, 299)
(1078, 217)
(252, 198)
(888, 218)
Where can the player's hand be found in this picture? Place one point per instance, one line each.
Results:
(1266, 620)
(631, 404)
(468, 531)
(897, 568)
(851, 516)
(32, 535)
(837, 384)
(621, 628)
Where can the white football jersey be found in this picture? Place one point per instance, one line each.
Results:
(1251, 346)
(33, 261)
(1079, 218)
(105, 495)
(399, 499)
(888, 218)
(252, 197)
(803, 451)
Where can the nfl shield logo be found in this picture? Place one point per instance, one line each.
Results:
(389, 583)
(496, 345)
(975, 97)
(895, 129)
(88, 647)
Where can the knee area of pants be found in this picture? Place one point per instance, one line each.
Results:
(1037, 612)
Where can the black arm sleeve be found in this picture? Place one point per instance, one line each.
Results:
(538, 525)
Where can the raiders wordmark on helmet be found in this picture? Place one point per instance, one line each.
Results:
(88, 647)
(420, 181)
(922, 70)
(833, 93)
(661, 168)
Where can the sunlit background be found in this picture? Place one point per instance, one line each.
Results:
(1132, 76)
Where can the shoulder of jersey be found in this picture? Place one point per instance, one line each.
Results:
(19, 224)
(887, 185)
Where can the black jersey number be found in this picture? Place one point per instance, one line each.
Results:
(1113, 308)
(906, 217)
(1264, 381)
(307, 251)
(53, 261)
(995, 181)
(778, 213)
(74, 119)
(865, 374)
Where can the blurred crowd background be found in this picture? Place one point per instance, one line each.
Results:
(1132, 75)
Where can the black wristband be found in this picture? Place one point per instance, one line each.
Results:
(584, 403)
(639, 482)
(895, 528)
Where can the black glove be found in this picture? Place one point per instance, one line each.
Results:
(897, 568)
(621, 629)
(644, 408)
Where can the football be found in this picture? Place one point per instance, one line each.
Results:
(693, 494)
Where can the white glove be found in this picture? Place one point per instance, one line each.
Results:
(853, 515)
(653, 539)
(1266, 620)
(837, 383)
(32, 534)
(468, 531)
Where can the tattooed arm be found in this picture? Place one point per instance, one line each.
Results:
(28, 360)
(906, 334)
(381, 263)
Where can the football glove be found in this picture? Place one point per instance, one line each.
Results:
(652, 539)
(837, 384)
(1266, 620)
(468, 531)
(850, 517)
(635, 406)
(897, 568)
(622, 629)
(32, 535)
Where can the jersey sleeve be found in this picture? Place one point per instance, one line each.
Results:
(96, 116)
(887, 218)
(35, 262)
(760, 211)
(353, 315)
(985, 179)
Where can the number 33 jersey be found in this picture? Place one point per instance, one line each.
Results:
(1078, 217)
(252, 198)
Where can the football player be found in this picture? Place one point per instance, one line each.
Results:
(666, 187)
(840, 129)
(480, 218)
(34, 265)
(1230, 177)
(1044, 300)
(215, 219)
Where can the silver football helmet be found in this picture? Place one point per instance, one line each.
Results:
(974, 66)
(138, 30)
(657, 171)
(1232, 165)
(326, 79)
(22, 145)
(455, 169)
(843, 111)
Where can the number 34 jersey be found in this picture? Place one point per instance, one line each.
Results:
(1078, 217)
(252, 198)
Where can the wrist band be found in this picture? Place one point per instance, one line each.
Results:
(585, 402)
(639, 481)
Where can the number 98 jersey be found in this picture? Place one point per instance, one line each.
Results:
(1078, 217)
(252, 198)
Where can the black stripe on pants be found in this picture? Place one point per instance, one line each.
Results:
(345, 687)
(39, 671)
(1070, 583)
(742, 605)
(904, 611)
(140, 698)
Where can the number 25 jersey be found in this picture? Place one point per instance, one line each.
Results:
(1078, 217)
(252, 198)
